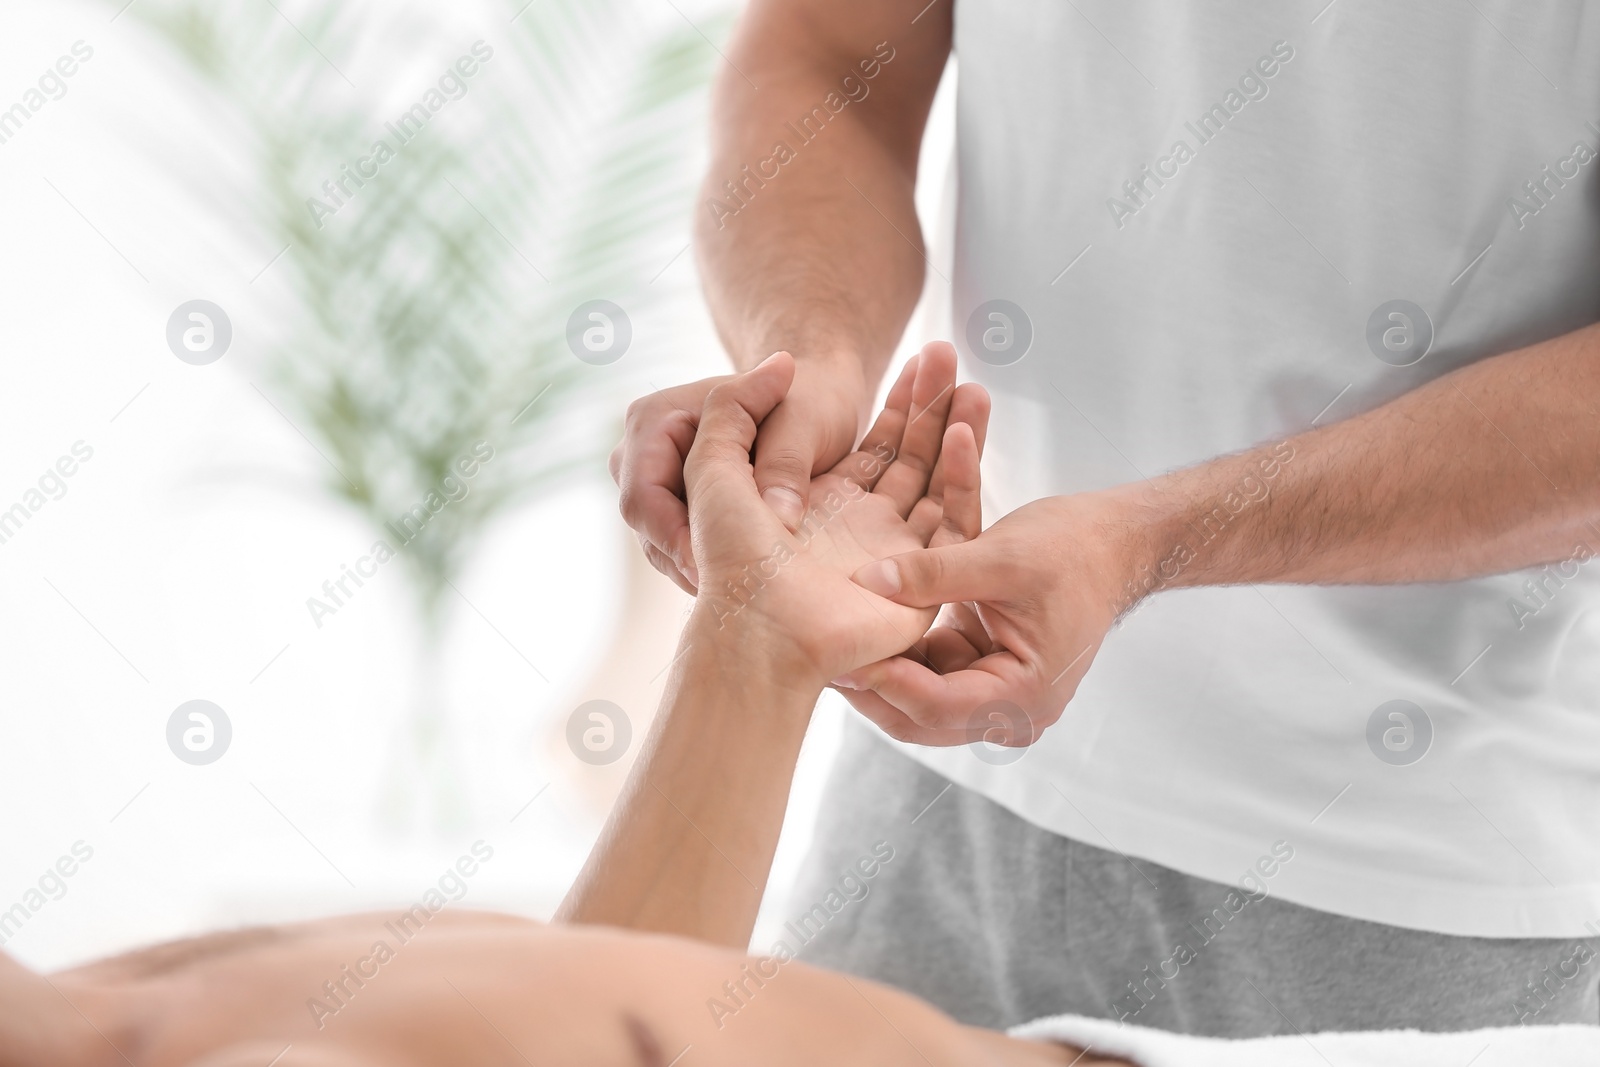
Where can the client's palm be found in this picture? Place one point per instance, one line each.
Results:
(910, 485)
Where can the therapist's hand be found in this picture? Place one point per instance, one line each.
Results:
(1028, 603)
(810, 430)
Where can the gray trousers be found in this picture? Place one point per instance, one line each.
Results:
(997, 922)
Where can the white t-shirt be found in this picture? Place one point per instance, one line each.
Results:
(1223, 222)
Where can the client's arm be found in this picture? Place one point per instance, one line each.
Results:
(689, 846)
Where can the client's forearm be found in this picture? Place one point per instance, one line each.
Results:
(688, 848)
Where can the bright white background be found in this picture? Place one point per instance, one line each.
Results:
(178, 563)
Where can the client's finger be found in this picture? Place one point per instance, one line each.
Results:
(866, 464)
(962, 519)
(906, 480)
(970, 404)
(957, 515)
(731, 413)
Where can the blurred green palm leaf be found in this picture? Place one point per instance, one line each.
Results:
(429, 312)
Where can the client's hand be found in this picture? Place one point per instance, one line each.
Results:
(912, 484)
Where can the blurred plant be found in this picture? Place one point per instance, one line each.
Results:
(429, 311)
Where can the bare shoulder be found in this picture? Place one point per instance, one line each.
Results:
(167, 957)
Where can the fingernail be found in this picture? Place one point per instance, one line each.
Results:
(691, 572)
(844, 681)
(882, 577)
(769, 359)
(786, 504)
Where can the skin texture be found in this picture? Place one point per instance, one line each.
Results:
(655, 928)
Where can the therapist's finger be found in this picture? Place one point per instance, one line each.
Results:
(949, 646)
(985, 568)
(663, 520)
(900, 726)
(943, 701)
(648, 469)
(947, 650)
(962, 617)
(661, 562)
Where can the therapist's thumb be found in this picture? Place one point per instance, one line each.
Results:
(971, 570)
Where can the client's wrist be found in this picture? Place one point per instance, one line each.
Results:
(745, 645)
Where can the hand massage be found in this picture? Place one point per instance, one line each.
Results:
(659, 921)
(1259, 725)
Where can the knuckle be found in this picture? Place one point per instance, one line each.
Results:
(784, 462)
(1045, 717)
(628, 504)
(901, 729)
(721, 396)
(925, 713)
(923, 571)
(659, 561)
(638, 411)
(897, 731)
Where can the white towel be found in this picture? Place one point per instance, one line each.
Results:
(1507, 1046)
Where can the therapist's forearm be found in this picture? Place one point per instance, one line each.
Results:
(689, 846)
(1491, 468)
(823, 259)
